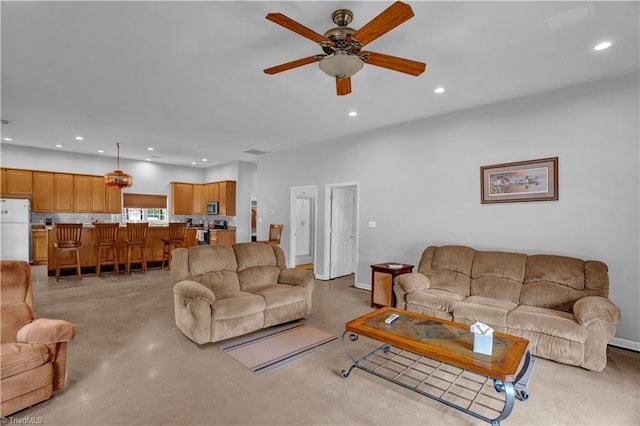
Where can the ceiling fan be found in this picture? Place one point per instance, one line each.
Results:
(342, 45)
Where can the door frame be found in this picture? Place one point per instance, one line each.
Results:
(327, 226)
(313, 189)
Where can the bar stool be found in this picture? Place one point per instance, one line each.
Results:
(106, 235)
(68, 236)
(136, 238)
(275, 233)
(175, 240)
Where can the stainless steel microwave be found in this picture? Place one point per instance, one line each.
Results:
(212, 207)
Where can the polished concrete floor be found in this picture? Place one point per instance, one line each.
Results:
(130, 365)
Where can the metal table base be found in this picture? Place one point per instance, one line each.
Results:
(487, 399)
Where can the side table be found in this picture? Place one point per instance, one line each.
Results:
(382, 275)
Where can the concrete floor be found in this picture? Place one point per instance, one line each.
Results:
(130, 365)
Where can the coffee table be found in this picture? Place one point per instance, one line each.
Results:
(435, 358)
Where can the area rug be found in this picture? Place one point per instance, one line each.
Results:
(277, 347)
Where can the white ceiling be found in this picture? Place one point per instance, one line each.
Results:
(186, 77)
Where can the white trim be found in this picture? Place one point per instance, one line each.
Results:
(626, 344)
(327, 225)
(292, 220)
(363, 286)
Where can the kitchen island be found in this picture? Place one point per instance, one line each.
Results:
(88, 259)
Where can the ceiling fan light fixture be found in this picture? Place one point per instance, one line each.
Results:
(341, 65)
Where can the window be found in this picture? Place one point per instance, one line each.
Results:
(145, 208)
(153, 216)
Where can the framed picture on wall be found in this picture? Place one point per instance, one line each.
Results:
(533, 180)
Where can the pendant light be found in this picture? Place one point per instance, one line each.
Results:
(117, 178)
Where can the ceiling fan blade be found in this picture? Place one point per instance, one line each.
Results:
(293, 64)
(296, 27)
(387, 20)
(394, 63)
(343, 86)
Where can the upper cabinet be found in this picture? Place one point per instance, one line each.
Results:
(181, 198)
(42, 192)
(188, 198)
(113, 199)
(63, 192)
(17, 182)
(227, 198)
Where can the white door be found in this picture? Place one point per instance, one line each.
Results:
(304, 253)
(342, 232)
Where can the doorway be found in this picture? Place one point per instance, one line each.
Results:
(303, 226)
(253, 230)
(341, 225)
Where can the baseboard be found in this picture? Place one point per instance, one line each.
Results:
(624, 343)
(366, 286)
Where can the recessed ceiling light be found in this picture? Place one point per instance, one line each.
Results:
(353, 114)
(204, 159)
(194, 163)
(101, 151)
(58, 146)
(602, 46)
(150, 149)
(147, 159)
(7, 139)
(79, 138)
(439, 90)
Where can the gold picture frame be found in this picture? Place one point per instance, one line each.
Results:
(521, 181)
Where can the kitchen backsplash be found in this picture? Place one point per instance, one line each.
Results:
(106, 217)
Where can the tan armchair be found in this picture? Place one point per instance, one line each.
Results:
(34, 351)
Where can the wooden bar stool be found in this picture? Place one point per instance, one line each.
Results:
(107, 239)
(136, 238)
(68, 239)
(174, 241)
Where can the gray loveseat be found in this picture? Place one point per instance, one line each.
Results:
(226, 291)
(560, 304)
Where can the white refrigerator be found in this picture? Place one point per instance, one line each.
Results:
(15, 232)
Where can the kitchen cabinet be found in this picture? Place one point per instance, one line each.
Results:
(63, 192)
(227, 198)
(222, 237)
(17, 182)
(181, 198)
(198, 207)
(39, 245)
(98, 194)
(210, 192)
(42, 192)
(82, 194)
(113, 199)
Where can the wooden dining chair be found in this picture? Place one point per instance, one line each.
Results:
(68, 239)
(136, 239)
(275, 233)
(174, 241)
(106, 235)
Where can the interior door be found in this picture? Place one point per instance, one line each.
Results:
(342, 232)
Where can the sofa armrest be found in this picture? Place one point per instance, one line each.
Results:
(44, 330)
(593, 308)
(295, 276)
(191, 290)
(413, 281)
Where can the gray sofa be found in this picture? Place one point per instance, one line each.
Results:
(560, 304)
(226, 291)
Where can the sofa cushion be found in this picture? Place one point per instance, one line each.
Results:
(547, 321)
(280, 294)
(492, 312)
(257, 265)
(448, 267)
(232, 304)
(20, 357)
(498, 275)
(214, 267)
(440, 300)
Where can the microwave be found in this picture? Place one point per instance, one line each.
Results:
(212, 207)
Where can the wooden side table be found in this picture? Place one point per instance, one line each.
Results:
(382, 275)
